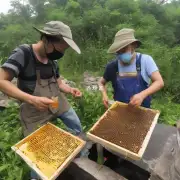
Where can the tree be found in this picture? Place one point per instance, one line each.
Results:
(161, 1)
(39, 9)
(21, 8)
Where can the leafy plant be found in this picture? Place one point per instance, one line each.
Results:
(11, 167)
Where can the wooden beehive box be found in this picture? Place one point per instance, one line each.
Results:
(49, 150)
(125, 130)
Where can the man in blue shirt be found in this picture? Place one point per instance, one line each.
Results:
(130, 73)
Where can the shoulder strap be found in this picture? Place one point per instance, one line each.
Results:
(117, 66)
(53, 63)
(138, 63)
(27, 54)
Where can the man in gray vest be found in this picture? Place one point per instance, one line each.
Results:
(36, 68)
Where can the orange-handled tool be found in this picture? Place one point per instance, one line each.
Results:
(55, 104)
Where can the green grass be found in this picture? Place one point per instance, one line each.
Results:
(11, 166)
(74, 76)
(170, 112)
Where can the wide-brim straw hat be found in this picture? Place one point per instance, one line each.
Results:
(122, 39)
(59, 29)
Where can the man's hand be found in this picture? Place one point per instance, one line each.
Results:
(102, 88)
(136, 100)
(76, 92)
(105, 101)
(41, 103)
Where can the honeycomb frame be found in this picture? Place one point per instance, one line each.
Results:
(117, 148)
(31, 157)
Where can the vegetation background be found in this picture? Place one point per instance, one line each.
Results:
(94, 23)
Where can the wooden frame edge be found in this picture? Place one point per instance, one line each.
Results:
(137, 156)
(100, 119)
(113, 147)
(28, 136)
(76, 137)
(148, 135)
(65, 163)
(116, 103)
(30, 163)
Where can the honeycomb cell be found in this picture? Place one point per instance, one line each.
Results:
(48, 148)
(124, 126)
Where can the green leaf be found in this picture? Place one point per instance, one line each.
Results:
(3, 167)
(4, 146)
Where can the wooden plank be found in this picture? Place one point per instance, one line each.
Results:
(64, 164)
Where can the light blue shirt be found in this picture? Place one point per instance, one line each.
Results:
(148, 66)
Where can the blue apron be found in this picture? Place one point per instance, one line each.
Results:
(127, 86)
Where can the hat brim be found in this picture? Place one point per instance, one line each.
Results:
(70, 42)
(116, 46)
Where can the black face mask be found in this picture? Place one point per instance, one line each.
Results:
(55, 55)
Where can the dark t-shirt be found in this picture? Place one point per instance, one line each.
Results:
(148, 66)
(26, 71)
(111, 71)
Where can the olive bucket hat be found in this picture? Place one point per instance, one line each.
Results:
(59, 29)
(123, 38)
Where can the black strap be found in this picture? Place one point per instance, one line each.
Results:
(54, 68)
(138, 63)
(38, 76)
(27, 55)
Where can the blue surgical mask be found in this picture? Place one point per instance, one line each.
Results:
(125, 57)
